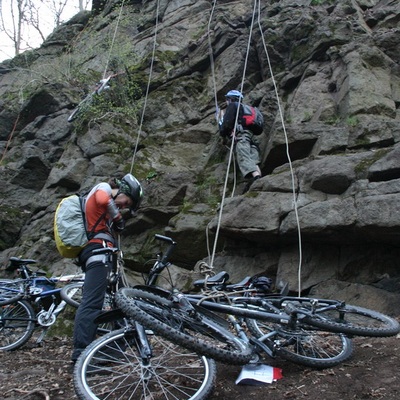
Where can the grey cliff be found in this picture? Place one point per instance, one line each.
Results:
(325, 74)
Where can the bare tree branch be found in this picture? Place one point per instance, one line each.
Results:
(24, 23)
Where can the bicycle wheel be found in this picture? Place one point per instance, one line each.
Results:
(72, 294)
(189, 328)
(305, 345)
(348, 319)
(113, 367)
(17, 322)
(10, 291)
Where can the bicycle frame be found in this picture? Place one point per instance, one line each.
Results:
(238, 302)
(217, 292)
(306, 331)
(39, 291)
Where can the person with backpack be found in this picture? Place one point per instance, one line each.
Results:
(103, 219)
(246, 146)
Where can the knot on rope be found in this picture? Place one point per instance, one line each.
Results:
(203, 268)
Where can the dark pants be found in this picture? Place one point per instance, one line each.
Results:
(94, 290)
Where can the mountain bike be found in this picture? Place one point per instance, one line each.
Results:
(190, 323)
(205, 334)
(332, 315)
(308, 331)
(72, 294)
(131, 362)
(29, 302)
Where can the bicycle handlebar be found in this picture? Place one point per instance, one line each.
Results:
(170, 249)
(165, 239)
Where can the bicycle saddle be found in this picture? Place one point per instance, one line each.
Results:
(240, 285)
(219, 278)
(16, 262)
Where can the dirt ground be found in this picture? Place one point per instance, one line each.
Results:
(44, 373)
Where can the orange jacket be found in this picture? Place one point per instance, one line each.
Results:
(100, 209)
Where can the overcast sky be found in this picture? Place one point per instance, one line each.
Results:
(47, 26)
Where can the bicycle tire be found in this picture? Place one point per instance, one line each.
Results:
(17, 323)
(196, 332)
(354, 320)
(304, 346)
(10, 291)
(72, 294)
(111, 367)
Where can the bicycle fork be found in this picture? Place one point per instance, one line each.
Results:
(145, 352)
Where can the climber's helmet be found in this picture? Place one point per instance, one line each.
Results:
(234, 95)
(130, 186)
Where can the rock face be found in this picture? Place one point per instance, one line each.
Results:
(326, 74)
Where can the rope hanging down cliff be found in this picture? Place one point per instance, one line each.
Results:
(148, 86)
(256, 10)
(231, 153)
(287, 153)
(113, 39)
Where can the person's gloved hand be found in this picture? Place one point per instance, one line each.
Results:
(119, 225)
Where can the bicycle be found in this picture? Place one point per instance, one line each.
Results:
(131, 362)
(299, 344)
(210, 331)
(101, 86)
(27, 303)
(294, 328)
(72, 294)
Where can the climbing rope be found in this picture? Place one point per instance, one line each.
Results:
(231, 152)
(113, 39)
(9, 139)
(148, 86)
(212, 61)
(287, 153)
(256, 10)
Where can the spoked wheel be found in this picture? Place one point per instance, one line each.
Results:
(112, 367)
(72, 294)
(10, 291)
(348, 319)
(305, 345)
(17, 322)
(189, 328)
